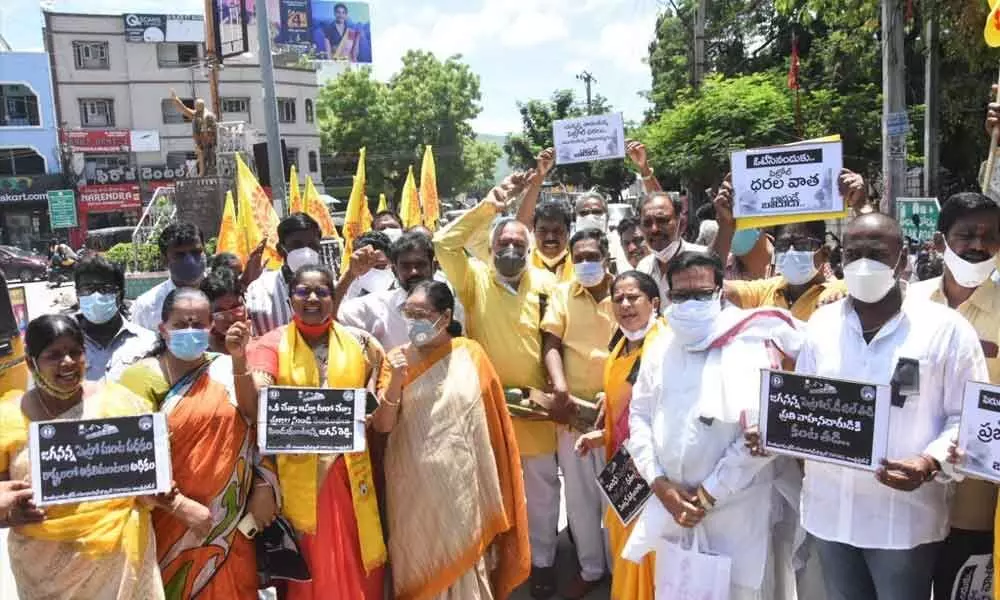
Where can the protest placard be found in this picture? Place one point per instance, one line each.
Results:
(585, 139)
(787, 180)
(311, 420)
(819, 418)
(979, 433)
(98, 459)
(623, 486)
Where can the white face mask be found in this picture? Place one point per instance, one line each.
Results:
(797, 266)
(598, 222)
(301, 257)
(869, 280)
(393, 233)
(376, 280)
(638, 334)
(968, 274)
(668, 252)
(692, 320)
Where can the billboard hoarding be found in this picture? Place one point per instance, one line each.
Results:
(149, 28)
(325, 29)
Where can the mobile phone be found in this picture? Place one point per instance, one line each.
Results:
(248, 526)
(371, 403)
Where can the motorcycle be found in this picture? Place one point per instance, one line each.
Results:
(59, 274)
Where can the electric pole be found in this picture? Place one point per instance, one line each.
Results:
(275, 162)
(932, 103)
(893, 106)
(699, 42)
(587, 79)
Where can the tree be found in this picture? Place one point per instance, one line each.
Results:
(428, 101)
(537, 117)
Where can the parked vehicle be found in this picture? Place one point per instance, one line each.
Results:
(24, 265)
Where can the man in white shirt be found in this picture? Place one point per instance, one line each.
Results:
(696, 382)
(877, 534)
(182, 249)
(379, 313)
(378, 276)
(267, 298)
(659, 218)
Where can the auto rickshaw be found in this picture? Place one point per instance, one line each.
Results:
(14, 375)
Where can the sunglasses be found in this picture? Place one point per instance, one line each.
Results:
(302, 292)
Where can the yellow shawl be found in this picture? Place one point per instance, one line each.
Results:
(298, 473)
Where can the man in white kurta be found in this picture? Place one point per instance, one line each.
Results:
(697, 382)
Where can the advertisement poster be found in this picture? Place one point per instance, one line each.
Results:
(146, 28)
(19, 303)
(325, 29)
(787, 180)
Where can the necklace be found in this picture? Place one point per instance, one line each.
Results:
(49, 413)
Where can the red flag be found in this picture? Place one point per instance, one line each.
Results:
(793, 69)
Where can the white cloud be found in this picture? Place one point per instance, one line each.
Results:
(626, 44)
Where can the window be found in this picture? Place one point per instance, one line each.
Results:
(170, 112)
(291, 158)
(177, 55)
(313, 161)
(236, 105)
(179, 159)
(91, 55)
(97, 112)
(104, 162)
(286, 110)
(309, 110)
(21, 161)
(18, 106)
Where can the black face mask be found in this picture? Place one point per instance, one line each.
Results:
(510, 262)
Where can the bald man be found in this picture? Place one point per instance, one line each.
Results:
(878, 534)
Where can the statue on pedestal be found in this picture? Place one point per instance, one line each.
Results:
(204, 130)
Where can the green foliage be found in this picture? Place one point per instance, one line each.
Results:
(537, 116)
(123, 254)
(428, 101)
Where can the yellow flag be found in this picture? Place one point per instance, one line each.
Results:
(409, 203)
(429, 191)
(229, 234)
(992, 30)
(249, 234)
(354, 218)
(251, 195)
(317, 209)
(295, 203)
(382, 204)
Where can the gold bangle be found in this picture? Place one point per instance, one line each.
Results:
(386, 400)
(244, 373)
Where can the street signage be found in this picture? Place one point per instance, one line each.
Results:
(897, 123)
(918, 217)
(62, 209)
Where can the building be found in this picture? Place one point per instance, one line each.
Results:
(113, 100)
(29, 148)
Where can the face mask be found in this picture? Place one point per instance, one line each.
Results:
(188, 270)
(188, 344)
(598, 222)
(868, 280)
(668, 252)
(555, 260)
(376, 280)
(692, 321)
(589, 273)
(797, 266)
(635, 336)
(393, 233)
(421, 331)
(99, 308)
(51, 388)
(311, 330)
(967, 274)
(510, 262)
(744, 240)
(301, 257)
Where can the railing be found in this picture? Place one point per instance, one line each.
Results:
(160, 211)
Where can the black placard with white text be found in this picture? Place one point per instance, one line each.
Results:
(623, 486)
(311, 420)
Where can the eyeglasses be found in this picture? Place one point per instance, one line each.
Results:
(304, 292)
(104, 288)
(233, 314)
(801, 244)
(680, 296)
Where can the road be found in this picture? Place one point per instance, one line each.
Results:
(42, 299)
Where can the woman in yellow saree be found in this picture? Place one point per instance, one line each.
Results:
(328, 498)
(209, 401)
(635, 301)
(82, 551)
(453, 471)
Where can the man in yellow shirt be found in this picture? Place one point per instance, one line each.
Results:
(503, 311)
(576, 331)
(803, 282)
(970, 223)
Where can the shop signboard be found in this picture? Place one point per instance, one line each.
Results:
(110, 198)
(97, 141)
(62, 209)
(29, 188)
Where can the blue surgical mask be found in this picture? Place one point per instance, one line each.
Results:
(188, 344)
(744, 240)
(589, 273)
(189, 269)
(99, 308)
(421, 331)
(693, 320)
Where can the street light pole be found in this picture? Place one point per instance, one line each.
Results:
(587, 79)
(275, 161)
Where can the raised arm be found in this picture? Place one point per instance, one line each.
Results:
(636, 152)
(362, 260)
(181, 107)
(543, 165)
(237, 339)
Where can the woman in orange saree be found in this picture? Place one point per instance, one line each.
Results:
(635, 301)
(207, 399)
(453, 471)
(328, 498)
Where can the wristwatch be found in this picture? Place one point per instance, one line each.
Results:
(935, 467)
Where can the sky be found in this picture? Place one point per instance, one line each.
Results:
(521, 49)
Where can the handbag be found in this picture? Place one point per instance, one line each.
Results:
(279, 555)
(691, 573)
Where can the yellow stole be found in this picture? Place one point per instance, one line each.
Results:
(299, 472)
